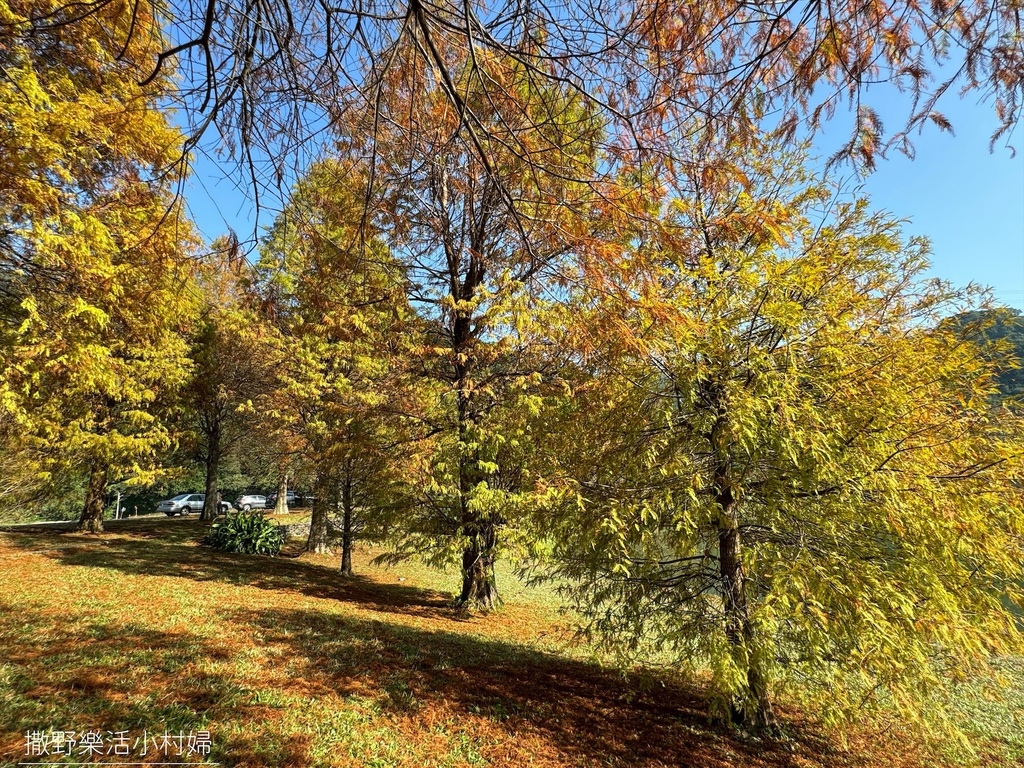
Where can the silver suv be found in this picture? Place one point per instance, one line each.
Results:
(251, 501)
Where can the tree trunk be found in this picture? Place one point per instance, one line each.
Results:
(281, 506)
(210, 510)
(479, 587)
(319, 532)
(92, 514)
(346, 526)
(753, 709)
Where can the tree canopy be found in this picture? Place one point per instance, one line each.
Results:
(94, 255)
(275, 79)
(782, 464)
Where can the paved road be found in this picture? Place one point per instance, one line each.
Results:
(73, 523)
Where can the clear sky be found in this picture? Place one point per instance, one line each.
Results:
(968, 201)
(216, 202)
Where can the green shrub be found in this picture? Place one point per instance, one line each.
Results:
(249, 533)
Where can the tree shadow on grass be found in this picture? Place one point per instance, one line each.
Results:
(70, 673)
(174, 529)
(87, 675)
(588, 714)
(173, 552)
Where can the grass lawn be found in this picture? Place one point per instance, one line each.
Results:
(286, 663)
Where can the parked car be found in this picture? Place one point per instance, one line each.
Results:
(182, 504)
(187, 503)
(293, 499)
(251, 501)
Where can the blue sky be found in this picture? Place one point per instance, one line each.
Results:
(967, 201)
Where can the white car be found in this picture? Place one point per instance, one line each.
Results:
(247, 502)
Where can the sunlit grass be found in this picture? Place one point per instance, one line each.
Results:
(288, 663)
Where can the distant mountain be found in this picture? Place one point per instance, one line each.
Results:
(1002, 332)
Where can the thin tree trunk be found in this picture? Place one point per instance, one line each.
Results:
(210, 510)
(753, 709)
(92, 513)
(346, 526)
(281, 506)
(319, 532)
(479, 587)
